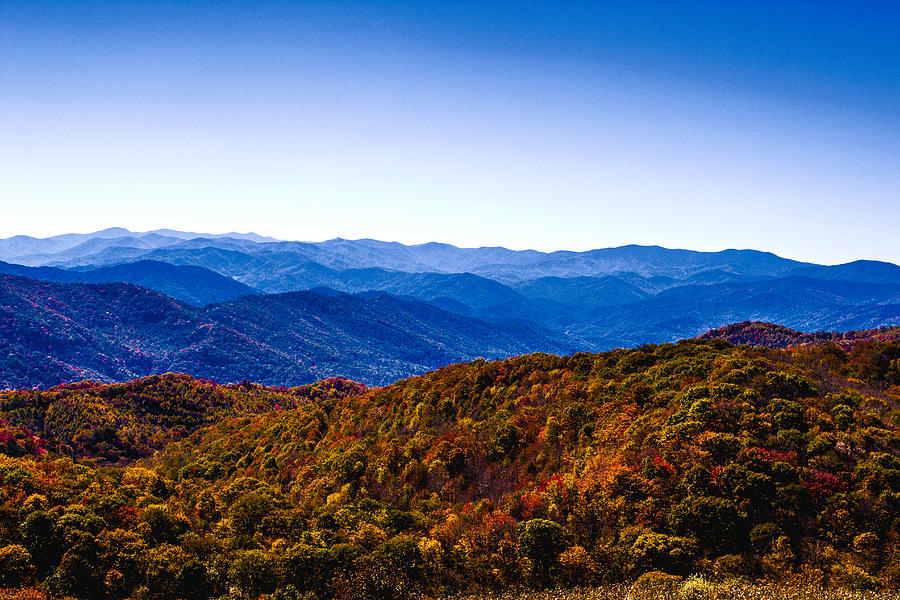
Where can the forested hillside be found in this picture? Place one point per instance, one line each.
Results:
(770, 335)
(194, 285)
(61, 333)
(696, 457)
(117, 424)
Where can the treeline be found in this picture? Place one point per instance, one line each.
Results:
(696, 457)
(770, 335)
(116, 424)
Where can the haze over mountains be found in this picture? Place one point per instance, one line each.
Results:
(461, 302)
(194, 285)
(54, 333)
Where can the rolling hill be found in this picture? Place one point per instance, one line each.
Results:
(796, 302)
(191, 284)
(861, 271)
(598, 299)
(770, 335)
(500, 264)
(532, 472)
(121, 423)
(54, 333)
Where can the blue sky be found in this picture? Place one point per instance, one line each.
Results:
(707, 125)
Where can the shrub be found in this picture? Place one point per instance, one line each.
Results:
(657, 582)
(763, 536)
(163, 527)
(660, 552)
(38, 534)
(730, 566)
(374, 582)
(15, 566)
(714, 522)
(539, 546)
(577, 566)
(290, 592)
(248, 512)
(852, 577)
(698, 588)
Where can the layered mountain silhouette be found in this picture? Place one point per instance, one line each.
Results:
(52, 333)
(594, 300)
(194, 285)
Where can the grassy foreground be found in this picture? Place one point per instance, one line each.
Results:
(694, 588)
(697, 589)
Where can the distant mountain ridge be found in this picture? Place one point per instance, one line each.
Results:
(20, 247)
(54, 333)
(76, 249)
(603, 298)
(769, 335)
(496, 263)
(194, 285)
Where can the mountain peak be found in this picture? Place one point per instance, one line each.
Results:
(110, 232)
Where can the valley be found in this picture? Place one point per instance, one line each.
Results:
(512, 301)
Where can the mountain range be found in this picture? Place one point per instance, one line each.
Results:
(555, 301)
(53, 333)
(194, 285)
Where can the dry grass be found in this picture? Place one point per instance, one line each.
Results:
(702, 591)
(27, 594)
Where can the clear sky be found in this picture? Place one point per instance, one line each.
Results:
(561, 125)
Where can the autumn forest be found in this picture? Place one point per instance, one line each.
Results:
(702, 458)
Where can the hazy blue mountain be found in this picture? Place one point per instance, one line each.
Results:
(430, 257)
(20, 246)
(862, 271)
(604, 297)
(133, 246)
(797, 302)
(52, 333)
(501, 264)
(582, 292)
(478, 293)
(87, 248)
(279, 271)
(190, 235)
(194, 285)
(645, 261)
(463, 293)
(509, 266)
(46, 273)
(285, 266)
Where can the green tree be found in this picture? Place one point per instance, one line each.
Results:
(164, 528)
(165, 564)
(16, 568)
(253, 572)
(660, 552)
(540, 542)
(192, 581)
(38, 534)
(248, 512)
